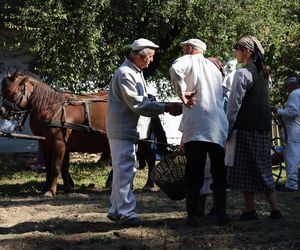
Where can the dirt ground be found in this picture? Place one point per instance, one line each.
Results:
(78, 221)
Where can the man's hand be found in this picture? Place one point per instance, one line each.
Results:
(174, 108)
(188, 98)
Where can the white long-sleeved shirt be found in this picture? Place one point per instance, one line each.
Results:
(291, 115)
(206, 120)
(127, 101)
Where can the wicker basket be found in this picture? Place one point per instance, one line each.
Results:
(169, 173)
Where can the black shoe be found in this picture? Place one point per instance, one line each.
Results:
(114, 217)
(132, 222)
(251, 215)
(193, 220)
(276, 215)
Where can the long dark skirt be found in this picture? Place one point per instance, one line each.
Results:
(252, 170)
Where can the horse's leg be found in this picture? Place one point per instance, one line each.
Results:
(142, 163)
(108, 183)
(47, 162)
(156, 130)
(72, 184)
(58, 152)
(105, 159)
(141, 154)
(67, 179)
(151, 159)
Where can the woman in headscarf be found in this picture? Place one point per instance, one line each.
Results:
(248, 149)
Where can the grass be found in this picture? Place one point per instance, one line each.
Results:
(85, 171)
(17, 177)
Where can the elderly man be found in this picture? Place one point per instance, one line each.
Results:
(198, 83)
(127, 101)
(291, 118)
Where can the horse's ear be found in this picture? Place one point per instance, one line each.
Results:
(12, 75)
(12, 72)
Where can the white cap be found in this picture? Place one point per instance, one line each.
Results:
(197, 43)
(143, 43)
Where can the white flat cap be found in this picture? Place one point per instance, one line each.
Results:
(197, 43)
(143, 43)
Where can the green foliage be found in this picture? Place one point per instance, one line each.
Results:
(77, 45)
(277, 23)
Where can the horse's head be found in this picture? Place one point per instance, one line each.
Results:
(16, 91)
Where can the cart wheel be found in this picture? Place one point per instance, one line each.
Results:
(278, 167)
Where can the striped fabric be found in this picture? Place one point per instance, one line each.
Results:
(252, 170)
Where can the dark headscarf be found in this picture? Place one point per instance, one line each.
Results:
(254, 45)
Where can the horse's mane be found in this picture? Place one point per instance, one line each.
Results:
(45, 101)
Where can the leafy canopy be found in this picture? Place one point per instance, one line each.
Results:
(78, 44)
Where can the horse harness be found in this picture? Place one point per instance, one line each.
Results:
(85, 126)
(13, 108)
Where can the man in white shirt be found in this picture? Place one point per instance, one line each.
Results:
(291, 118)
(204, 125)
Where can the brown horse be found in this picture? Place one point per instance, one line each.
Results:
(69, 123)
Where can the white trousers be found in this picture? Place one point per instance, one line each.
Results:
(123, 203)
(292, 159)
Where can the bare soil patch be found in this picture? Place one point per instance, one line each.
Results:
(78, 220)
